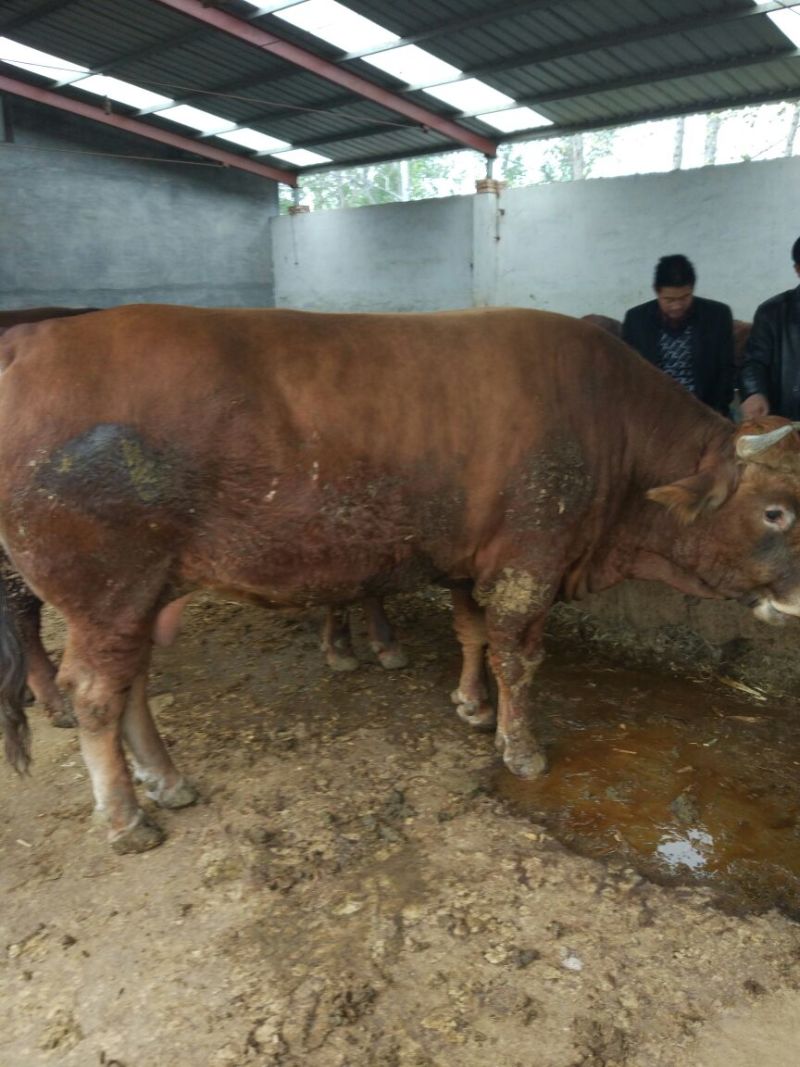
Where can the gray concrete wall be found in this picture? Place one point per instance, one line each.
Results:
(572, 247)
(398, 257)
(95, 230)
(592, 245)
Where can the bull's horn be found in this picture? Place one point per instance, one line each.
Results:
(751, 445)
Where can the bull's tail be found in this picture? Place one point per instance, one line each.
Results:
(13, 720)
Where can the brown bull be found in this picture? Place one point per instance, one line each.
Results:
(295, 458)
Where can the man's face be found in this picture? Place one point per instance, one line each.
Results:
(675, 301)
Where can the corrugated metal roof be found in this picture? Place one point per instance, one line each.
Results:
(581, 63)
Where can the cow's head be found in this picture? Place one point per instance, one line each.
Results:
(746, 515)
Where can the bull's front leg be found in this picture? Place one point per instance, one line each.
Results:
(516, 604)
(472, 696)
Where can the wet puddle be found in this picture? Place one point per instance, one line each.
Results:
(688, 782)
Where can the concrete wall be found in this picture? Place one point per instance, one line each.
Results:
(592, 245)
(95, 230)
(398, 257)
(574, 247)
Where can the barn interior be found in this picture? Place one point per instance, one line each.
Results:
(361, 883)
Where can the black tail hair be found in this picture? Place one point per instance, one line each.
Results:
(13, 720)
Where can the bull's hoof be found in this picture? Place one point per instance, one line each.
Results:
(524, 763)
(61, 714)
(481, 716)
(341, 662)
(180, 795)
(392, 659)
(64, 720)
(140, 836)
(477, 713)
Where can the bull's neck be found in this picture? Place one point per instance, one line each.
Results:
(666, 437)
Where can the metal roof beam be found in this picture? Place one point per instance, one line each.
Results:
(143, 129)
(621, 37)
(323, 68)
(450, 26)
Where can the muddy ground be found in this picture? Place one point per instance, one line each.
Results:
(360, 886)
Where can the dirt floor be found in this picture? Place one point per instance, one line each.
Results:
(361, 887)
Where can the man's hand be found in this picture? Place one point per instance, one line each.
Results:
(755, 406)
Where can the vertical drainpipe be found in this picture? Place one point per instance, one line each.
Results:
(487, 216)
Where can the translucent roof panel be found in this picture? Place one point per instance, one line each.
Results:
(121, 91)
(42, 63)
(413, 65)
(259, 142)
(337, 24)
(515, 118)
(203, 121)
(470, 95)
(301, 157)
(788, 22)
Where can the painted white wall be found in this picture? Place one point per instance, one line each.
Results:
(575, 247)
(591, 246)
(395, 257)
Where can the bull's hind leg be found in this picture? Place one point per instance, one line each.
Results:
(516, 608)
(152, 763)
(336, 641)
(100, 668)
(382, 639)
(472, 696)
(27, 610)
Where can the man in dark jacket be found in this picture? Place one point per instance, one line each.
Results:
(688, 337)
(770, 378)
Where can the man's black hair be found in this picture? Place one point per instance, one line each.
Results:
(674, 272)
(796, 252)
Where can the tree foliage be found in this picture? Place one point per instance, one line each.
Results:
(756, 132)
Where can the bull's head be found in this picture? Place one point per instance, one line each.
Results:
(750, 512)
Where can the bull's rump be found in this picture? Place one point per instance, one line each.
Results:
(298, 454)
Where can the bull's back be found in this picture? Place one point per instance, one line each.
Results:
(404, 384)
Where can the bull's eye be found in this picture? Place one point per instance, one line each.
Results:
(778, 518)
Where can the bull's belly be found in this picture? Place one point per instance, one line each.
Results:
(323, 558)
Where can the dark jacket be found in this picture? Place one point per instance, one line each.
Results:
(712, 346)
(772, 356)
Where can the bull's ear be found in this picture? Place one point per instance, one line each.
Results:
(690, 497)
